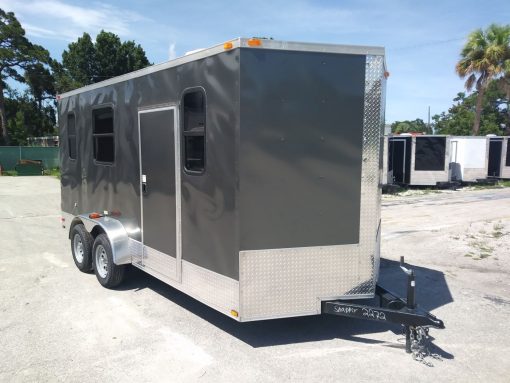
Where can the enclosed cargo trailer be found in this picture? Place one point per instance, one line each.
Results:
(245, 175)
(419, 160)
(468, 158)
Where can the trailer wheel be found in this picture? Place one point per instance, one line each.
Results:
(81, 247)
(108, 273)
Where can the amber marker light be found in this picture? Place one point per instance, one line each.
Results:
(234, 313)
(254, 42)
(228, 45)
(94, 215)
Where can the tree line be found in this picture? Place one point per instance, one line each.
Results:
(32, 112)
(485, 65)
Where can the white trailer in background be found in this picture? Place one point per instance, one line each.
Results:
(468, 158)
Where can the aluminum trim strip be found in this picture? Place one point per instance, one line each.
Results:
(315, 47)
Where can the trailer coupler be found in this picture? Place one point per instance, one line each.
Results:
(391, 309)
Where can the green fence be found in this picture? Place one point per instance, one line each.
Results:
(10, 155)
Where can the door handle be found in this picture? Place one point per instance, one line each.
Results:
(144, 184)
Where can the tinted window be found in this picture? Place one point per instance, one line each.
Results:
(104, 142)
(193, 131)
(430, 153)
(71, 136)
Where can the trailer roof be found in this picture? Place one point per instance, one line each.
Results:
(236, 43)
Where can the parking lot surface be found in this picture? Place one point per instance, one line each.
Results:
(58, 324)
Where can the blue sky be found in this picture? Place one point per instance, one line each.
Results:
(422, 39)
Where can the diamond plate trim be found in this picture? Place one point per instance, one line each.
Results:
(290, 282)
(160, 262)
(213, 289)
(135, 249)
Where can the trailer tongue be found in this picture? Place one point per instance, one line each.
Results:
(392, 309)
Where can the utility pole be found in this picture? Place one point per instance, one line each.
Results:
(428, 121)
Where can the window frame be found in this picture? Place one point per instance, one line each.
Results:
(183, 133)
(94, 110)
(69, 139)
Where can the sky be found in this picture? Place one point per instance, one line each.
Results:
(422, 39)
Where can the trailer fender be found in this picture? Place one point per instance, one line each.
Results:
(116, 233)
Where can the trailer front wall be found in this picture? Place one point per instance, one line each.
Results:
(468, 158)
(309, 171)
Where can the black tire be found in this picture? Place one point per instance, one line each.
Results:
(81, 247)
(108, 273)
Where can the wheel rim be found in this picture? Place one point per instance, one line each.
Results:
(101, 261)
(78, 248)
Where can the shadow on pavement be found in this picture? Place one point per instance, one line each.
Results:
(432, 293)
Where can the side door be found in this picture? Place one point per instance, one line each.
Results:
(495, 149)
(160, 190)
(398, 154)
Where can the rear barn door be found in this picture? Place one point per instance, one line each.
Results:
(160, 190)
(495, 148)
(397, 150)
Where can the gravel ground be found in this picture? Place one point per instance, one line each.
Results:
(57, 324)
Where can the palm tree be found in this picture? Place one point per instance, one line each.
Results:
(483, 58)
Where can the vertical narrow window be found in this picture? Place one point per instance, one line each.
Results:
(102, 135)
(193, 131)
(71, 136)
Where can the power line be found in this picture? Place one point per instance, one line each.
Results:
(427, 44)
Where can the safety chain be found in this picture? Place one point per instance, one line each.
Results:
(419, 346)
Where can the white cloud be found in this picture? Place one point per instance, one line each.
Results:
(58, 20)
(171, 51)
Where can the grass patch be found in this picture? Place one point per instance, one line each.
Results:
(496, 185)
(12, 173)
(55, 172)
(497, 230)
(483, 250)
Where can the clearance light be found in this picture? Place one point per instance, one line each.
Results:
(228, 45)
(95, 215)
(234, 313)
(386, 74)
(254, 42)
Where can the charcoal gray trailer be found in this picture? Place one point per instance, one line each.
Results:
(245, 175)
(421, 160)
